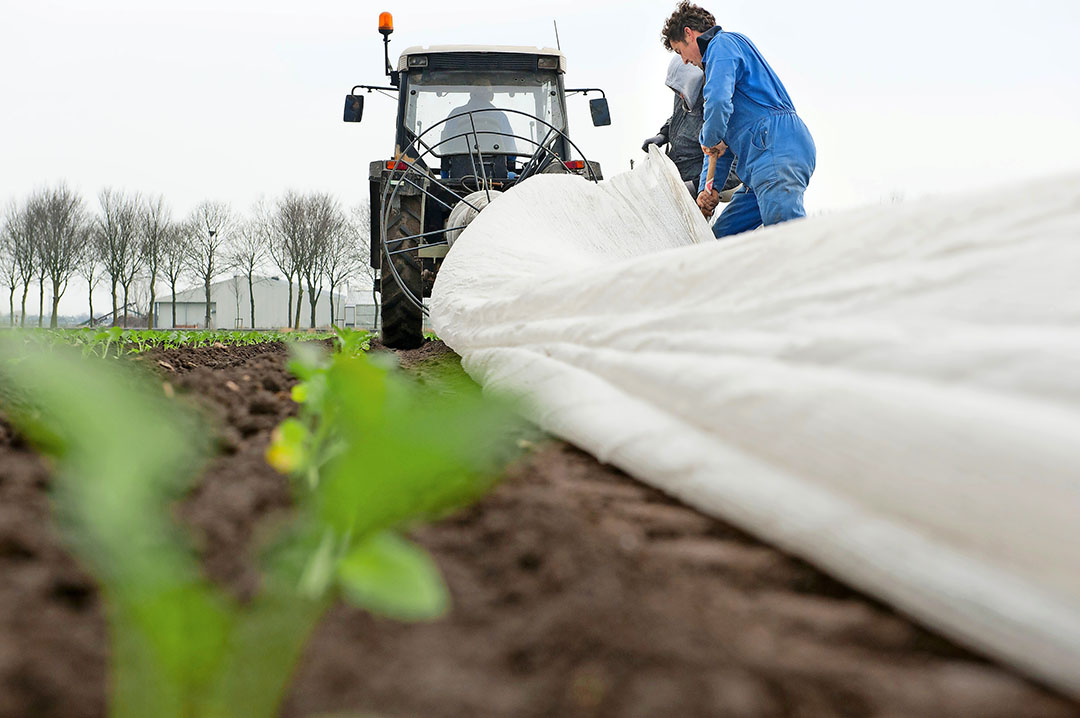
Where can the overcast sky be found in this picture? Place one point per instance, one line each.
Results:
(234, 99)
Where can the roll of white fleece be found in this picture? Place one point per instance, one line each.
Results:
(892, 393)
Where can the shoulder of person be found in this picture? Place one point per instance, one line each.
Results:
(724, 45)
(728, 41)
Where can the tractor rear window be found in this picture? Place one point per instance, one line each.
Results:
(507, 111)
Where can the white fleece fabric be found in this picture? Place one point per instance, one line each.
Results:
(892, 393)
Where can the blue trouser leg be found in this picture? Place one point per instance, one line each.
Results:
(780, 161)
(740, 215)
(780, 195)
(784, 169)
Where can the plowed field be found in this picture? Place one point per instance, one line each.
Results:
(576, 592)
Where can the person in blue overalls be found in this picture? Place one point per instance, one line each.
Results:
(748, 115)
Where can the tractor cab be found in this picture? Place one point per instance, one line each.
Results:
(501, 104)
(472, 121)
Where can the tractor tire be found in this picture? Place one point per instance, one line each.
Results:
(402, 321)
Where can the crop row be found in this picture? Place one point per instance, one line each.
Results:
(116, 341)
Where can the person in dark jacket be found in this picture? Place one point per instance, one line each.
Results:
(749, 115)
(681, 132)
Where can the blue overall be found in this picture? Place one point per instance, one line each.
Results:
(747, 107)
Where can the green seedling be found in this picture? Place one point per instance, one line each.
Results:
(372, 454)
(352, 341)
(377, 451)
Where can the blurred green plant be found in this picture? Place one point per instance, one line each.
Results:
(372, 451)
(376, 451)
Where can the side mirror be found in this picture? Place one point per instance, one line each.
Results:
(601, 115)
(354, 108)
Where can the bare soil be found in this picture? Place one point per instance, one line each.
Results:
(577, 592)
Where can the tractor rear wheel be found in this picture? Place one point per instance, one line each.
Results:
(402, 320)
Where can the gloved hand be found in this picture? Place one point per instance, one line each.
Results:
(657, 140)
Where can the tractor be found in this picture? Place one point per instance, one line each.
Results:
(472, 121)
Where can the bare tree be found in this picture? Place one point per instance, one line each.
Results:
(247, 252)
(63, 235)
(155, 227)
(140, 298)
(174, 259)
(9, 274)
(40, 270)
(267, 221)
(344, 259)
(325, 220)
(19, 226)
(9, 260)
(118, 236)
(132, 259)
(237, 287)
(90, 267)
(286, 227)
(209, 229)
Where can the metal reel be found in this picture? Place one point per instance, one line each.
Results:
(411, 177)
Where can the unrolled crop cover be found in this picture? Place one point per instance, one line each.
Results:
(892, 393)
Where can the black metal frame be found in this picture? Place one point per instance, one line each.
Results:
(585, 91)
(370, 88)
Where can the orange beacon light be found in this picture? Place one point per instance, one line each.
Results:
(386, 23)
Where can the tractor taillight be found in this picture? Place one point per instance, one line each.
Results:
(574, 165)
(396, 165)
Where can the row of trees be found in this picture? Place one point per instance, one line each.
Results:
(53, 236)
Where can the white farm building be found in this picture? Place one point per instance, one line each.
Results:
(230, 306)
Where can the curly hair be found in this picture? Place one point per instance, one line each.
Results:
(686, 15)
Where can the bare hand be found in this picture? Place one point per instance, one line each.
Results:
(707, 202)
(717, 151)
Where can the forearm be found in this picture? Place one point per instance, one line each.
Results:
(719, 92)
